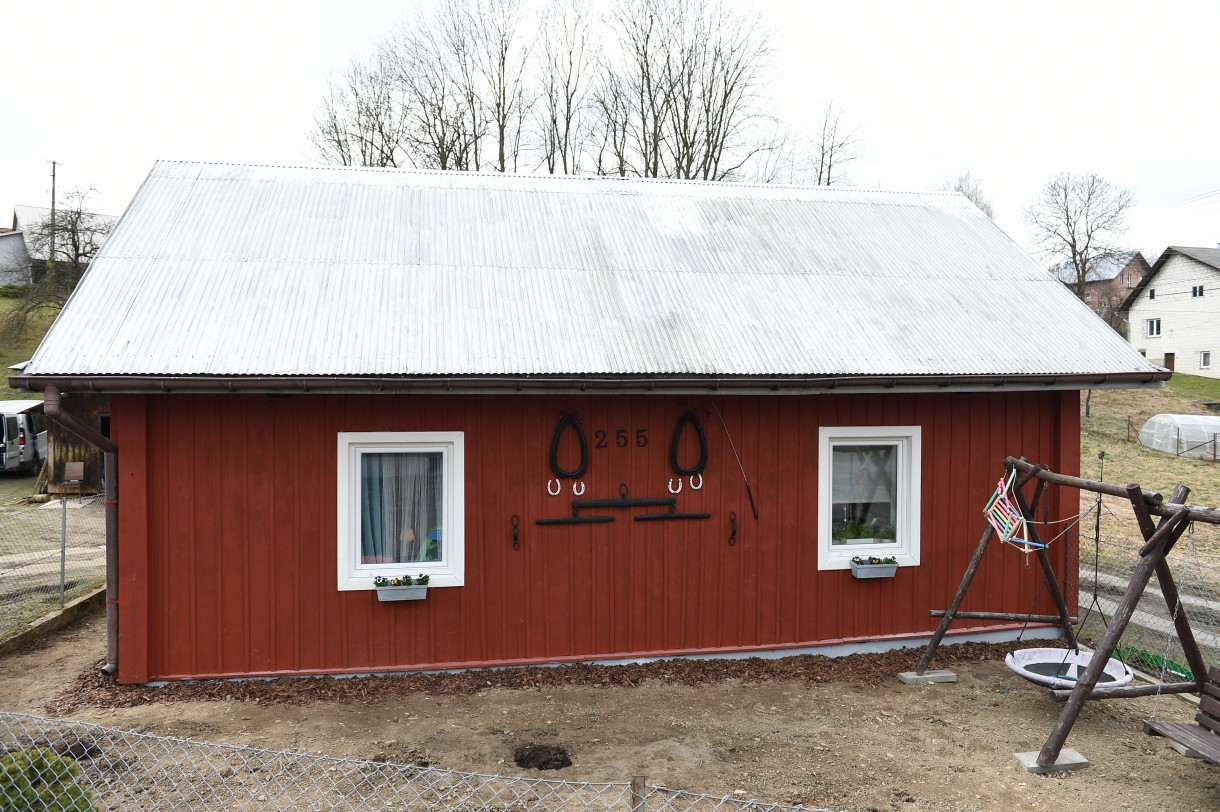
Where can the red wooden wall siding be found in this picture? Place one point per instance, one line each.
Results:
(228, 530)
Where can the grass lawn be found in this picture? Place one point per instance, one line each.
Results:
(14, 487)
(16, 351)
(1106, 429)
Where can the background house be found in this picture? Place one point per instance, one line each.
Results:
(1108, 285)
(1175, 311)
(323, 375)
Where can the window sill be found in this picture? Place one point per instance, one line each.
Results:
(365, 584)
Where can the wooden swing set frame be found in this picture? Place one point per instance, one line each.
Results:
(1159, 539)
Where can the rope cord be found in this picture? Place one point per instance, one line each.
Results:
(736, 456)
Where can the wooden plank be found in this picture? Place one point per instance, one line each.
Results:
(1013, 616)
(1205, 744)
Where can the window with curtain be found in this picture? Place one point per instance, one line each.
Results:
(400, 507)
(868, 494)
(401, 519)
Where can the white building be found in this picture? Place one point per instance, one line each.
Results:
(1174, 312)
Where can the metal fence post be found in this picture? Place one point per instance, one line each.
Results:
(63, 544)
(637, 793)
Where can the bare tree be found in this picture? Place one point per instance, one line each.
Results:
(678, 92)
(691, 73)
(502, 60)
(1076, 221)
(437, 109)
(361, 120)
(61, 248)
(972, 188)
(613, 110)
(567, 60)
(835, 145)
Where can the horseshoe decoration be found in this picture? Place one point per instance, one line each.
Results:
(558, 487)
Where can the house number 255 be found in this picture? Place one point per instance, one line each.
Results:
(622, 438)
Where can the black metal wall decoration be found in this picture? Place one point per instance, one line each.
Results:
(567, 420)
(691, 418)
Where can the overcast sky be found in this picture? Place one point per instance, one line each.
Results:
(1013, 91)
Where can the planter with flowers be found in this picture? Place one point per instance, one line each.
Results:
(874, 567)
(402, 588)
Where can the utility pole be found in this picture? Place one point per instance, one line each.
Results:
(51, 277)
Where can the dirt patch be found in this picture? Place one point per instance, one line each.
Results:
(840, 733)
(541, 757)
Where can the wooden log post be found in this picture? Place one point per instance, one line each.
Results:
(1129, 691)
(956, 603)
(1160, 539)
(1169, 588)
(951, 612)
(1048, 570)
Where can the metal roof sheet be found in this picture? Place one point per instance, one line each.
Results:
(227, 270)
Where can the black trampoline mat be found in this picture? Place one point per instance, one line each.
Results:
(1062, 671)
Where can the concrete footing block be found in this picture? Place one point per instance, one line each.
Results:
(1184, 750)
(1068, 759)
(927, 677)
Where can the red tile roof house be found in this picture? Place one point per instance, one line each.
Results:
(324, 375)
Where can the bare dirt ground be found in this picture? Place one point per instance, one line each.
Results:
(842, 733)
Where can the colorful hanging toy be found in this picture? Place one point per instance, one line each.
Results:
(1007, 519)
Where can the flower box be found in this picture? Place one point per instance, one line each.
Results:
(402, 593)
(402, 588)
(874, 568)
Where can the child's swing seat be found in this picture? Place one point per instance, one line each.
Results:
(1007, 519)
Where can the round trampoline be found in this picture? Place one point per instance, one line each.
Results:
(1060, 668)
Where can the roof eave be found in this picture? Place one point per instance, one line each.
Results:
(488, 384)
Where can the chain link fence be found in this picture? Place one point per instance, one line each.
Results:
(1109, 554)
(49, 556)
(82, 767)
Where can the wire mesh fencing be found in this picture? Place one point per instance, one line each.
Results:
(1109, 554)
(77, 766)
(49, 556)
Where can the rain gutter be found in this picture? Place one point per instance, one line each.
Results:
(53, 408)
(792, 384)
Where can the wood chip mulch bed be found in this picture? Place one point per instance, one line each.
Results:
(93, 689)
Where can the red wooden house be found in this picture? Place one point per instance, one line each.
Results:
(319, 376)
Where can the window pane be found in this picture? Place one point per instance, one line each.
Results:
(400, 507)
(864, 488)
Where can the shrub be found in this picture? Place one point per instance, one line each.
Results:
(13, 291)
(41, 780)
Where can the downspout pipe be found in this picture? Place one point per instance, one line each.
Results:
(53, 408)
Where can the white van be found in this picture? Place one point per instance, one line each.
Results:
(23, 436)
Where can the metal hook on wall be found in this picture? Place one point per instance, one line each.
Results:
(693, 486)
(733, 526)
(580, 492)
(671, 485)
(558, 487)
(516, 529)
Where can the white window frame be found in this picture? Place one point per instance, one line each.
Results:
(1205, 359)
(908, 441)
(451, 569)
(1153, 327)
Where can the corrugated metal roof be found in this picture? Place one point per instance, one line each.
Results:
(253, 270)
